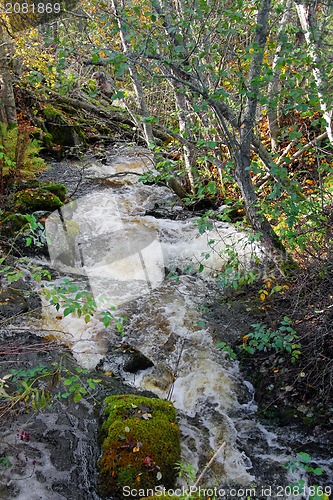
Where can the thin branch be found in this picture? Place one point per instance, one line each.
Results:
(301, 150)
(209, 464)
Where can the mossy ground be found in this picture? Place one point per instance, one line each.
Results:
(140, 444)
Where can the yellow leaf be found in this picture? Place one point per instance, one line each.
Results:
(136, 449)
(262, 296)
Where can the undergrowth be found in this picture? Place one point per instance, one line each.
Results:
(18, 156)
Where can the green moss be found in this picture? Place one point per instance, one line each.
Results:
(12, 224)
(31, 200)
(140, 442)
(61, 129)
(57, 189)
(52, 114)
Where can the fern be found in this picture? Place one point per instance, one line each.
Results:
(18, 155)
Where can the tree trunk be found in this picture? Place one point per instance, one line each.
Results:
(273, 86)
(139, 92)
(7, 99)
(242, 155)
(309, 28)
(185, 130)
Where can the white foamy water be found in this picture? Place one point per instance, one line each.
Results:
(126, 255)
(191, 373)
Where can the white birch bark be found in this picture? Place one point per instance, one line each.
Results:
(273, 87)
(180, 98)
(185, 130)
(313, 52)
(138, 89)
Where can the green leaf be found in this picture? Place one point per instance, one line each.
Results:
(5, 463)
(304, 457)
(211, 187)
(68, 310)
(120, 94)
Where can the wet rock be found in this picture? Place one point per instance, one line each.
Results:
(49, 451)
(136, 362)
(124, 358)
(19, 297)
(12, 303)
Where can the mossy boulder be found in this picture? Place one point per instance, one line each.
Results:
(12, 224)
(58, 189)
(60, 129)
(140, 444)
(34, 199)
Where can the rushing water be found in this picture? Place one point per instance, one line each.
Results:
(106, 240)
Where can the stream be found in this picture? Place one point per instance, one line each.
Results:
(106, 241)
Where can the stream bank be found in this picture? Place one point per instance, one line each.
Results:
(171, 328)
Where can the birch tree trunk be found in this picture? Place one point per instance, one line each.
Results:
(185, 130)
(180, 98)
(242, 155)
(273, 86)
(309, 27)
(139, 92)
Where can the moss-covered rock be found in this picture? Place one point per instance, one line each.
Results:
(12, 224)
(60, 129)
(32, 200)
(58, 189)
(140, 442)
